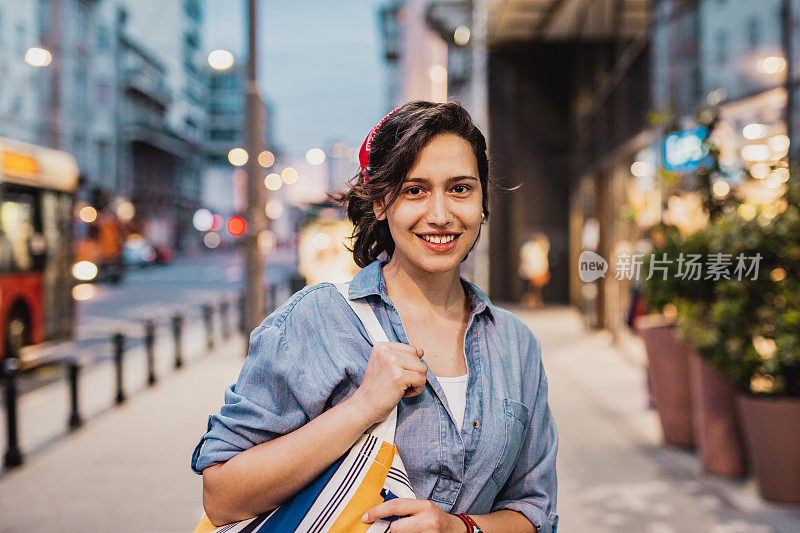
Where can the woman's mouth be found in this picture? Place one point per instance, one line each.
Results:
(439, 242)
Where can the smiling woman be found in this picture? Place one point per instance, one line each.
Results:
(463, 377)
(427, 154)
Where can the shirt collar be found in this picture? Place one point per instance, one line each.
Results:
(369, 281)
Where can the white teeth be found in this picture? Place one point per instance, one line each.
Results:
(438, 240)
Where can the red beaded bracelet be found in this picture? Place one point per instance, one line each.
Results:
(468, 521)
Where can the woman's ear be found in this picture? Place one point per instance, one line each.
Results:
(377, 207)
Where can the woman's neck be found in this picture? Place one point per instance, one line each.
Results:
(439, 291)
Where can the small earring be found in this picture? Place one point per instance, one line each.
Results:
(483, 216)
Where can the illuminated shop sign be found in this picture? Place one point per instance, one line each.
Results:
(684, 151)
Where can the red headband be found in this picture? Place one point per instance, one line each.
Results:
(363, 154)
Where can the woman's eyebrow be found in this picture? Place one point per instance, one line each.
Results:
(454, 178)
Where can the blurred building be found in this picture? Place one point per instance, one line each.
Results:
(76, 91)
(20, 115)
(167, 169)
(562, 85)
(225, 186)
(417, 55)
(124, 89)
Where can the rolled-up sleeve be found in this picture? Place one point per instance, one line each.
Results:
(531, 488)
(273, 396)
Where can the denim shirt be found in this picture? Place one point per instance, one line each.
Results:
(311, 354)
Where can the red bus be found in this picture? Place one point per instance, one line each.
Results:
(37, 194)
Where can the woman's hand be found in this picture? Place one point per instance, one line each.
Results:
(394, 371)
(419, 516)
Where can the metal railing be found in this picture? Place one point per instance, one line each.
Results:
(54, 355)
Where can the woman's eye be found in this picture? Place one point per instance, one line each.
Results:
(461, 189)
(413, 190)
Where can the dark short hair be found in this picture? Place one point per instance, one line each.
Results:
(395, 148)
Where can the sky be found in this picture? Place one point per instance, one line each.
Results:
(320, 65)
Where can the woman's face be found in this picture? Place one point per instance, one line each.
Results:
(435, 219)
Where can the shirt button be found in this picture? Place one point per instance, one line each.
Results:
(476, 424)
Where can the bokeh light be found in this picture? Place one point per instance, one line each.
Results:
(266, 159)
(273, 182)
(267, 242)
(38, 57)
(274, 209)
(289, 175)
(760, 171)
(84, 270)
(220, 59)
(321, 241)
(83, 291)
(315, 156)
(211, 239)
(236, 226)
(218, 222)
(772, 65)
(202, 220)
(461, 35)
(124, 209)
(238, 157)
(754, 131)
(756, 152)
(438, 73)
(88, 214)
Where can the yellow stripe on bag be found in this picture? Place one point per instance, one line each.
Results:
(368, 494)
(205, 526)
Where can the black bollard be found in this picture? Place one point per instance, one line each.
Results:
(149, 346)
(223, 317)
(119, 351)
(208, 318)
(13, 455)
(177, 327)
(75, 420)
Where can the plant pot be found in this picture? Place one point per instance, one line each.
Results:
(668, 362)
(772, 433)
(716, 425)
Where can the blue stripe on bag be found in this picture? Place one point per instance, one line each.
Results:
(289, 516)
(389, 495)
(344, 487)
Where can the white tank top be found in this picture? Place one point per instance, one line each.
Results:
(455, 390)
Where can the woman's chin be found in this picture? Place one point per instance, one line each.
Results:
(437, 264)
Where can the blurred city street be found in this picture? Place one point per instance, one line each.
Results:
(173, 170)
(127, 470)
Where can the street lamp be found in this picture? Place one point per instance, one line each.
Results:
(220, 59)
(38, 57)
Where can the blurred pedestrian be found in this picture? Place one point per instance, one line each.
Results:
(534, 267)
(474, 427)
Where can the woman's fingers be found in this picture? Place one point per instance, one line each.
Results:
(416, 515)
(415, 383)
(394, 371)
(395, 507)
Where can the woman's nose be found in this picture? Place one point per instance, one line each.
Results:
(438, 210)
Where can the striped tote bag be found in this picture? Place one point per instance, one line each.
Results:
(370, 473)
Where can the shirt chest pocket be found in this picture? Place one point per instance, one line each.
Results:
(515, 421)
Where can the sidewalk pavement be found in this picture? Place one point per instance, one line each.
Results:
(127, 469)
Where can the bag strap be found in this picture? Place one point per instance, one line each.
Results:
(384, 430)
(364, 312)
